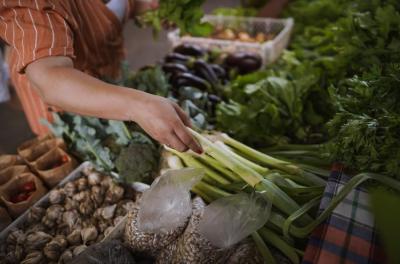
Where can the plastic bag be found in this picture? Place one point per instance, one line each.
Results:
(149, 244)
(228, 220)
(167, 205)
(191, 247)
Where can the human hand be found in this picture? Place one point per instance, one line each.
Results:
(166, 122)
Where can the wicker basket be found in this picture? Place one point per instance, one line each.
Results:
(269, 50)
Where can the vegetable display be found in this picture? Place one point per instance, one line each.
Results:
(195, 78)
(331, 97)
(77, 215)
(294, 190)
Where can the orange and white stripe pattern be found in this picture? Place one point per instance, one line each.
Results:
(86, 31)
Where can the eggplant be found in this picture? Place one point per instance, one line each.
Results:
(205, 71)
(176, 58)
(244, 62)
(214, 98)
(219, 71)
(188, 79)
(174, 68)
(190, 50)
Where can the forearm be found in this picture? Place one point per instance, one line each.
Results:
(77, 92)
(59, 84)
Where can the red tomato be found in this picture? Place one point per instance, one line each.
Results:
(64, 159)
(28, 187)
(19, 197)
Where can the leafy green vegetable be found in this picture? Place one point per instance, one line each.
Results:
(185, 14)
(279, 105)
(138, 162)
(110, 145)
(333, 43)
(151, 80)
(365, 130)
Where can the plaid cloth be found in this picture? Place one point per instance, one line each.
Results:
(348, 235)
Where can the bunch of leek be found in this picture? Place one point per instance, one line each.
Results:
(295, 191)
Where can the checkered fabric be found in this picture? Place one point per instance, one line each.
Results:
(348, 235)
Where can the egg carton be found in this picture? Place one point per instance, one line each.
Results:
(269, 50)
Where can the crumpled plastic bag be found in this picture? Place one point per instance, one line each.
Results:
(228, 220)
(191, 247)
(166, 205)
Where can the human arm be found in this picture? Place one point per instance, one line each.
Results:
(60, 85)
(273, 8)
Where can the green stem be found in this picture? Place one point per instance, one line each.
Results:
(247, 162)
(304, 209)
(247, 174)
(263, 249)
(211, 191)
(261, 157)
(202, 194)
(302, 232)
(217, 166)
(192, 162)
(265, 187)
(126, 131)
(275, 240)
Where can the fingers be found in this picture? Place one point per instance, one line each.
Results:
(186, 138)
(183, 133)
(174, 142)
(182, 115)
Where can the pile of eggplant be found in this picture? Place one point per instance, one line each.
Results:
(199, 77)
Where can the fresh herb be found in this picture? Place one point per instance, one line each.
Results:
(185, 14)
(365, 131)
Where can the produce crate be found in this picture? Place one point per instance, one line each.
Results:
(269, 50)
(115, 233)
